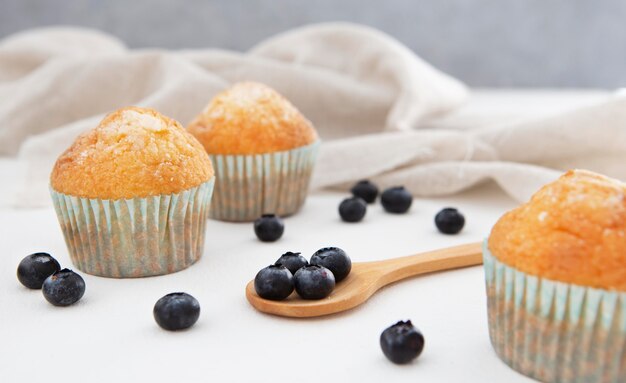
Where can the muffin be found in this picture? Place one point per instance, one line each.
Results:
(263, 150)
(132, 196)
(556, 282)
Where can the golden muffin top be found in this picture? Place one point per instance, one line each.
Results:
(133, 152)
(251, 118)
(572, 230)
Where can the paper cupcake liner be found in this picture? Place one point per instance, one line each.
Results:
(136, 237)
(554, 331)
(251, 185)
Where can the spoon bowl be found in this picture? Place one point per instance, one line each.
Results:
(366, 278)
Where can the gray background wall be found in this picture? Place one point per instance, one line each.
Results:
(547, 43)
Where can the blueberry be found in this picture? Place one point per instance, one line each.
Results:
(352, 209)
(449, 221)
(35, 268)
(292, 261)
(334, 259)
(396, 200)
(274, 282)
(402, 342)
(269, 228)
(176, 311)
(63, 288)
(314, 282)
(366, 190)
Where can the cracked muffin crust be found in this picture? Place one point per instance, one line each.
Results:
(251, 118)
(572, 230)
(133, 152)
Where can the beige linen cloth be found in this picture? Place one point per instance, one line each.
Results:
(372, 100)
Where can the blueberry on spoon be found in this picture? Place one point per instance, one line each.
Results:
(275, 282)
(292, 261)
(314, 282)
(334, 259)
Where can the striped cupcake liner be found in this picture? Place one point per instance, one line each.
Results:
(554, 331)
(136, 237)
(251, 185)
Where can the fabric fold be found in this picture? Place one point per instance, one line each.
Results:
(375, 104)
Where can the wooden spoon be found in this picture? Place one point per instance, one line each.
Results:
(366, 278)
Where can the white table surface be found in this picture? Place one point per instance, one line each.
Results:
(111, 336)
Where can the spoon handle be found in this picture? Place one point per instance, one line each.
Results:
(396, 269)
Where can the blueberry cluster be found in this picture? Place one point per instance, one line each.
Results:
(311, 280)
(395, 200)
(353, 209)
(315, 279)
(63, 287)
(59, 287)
